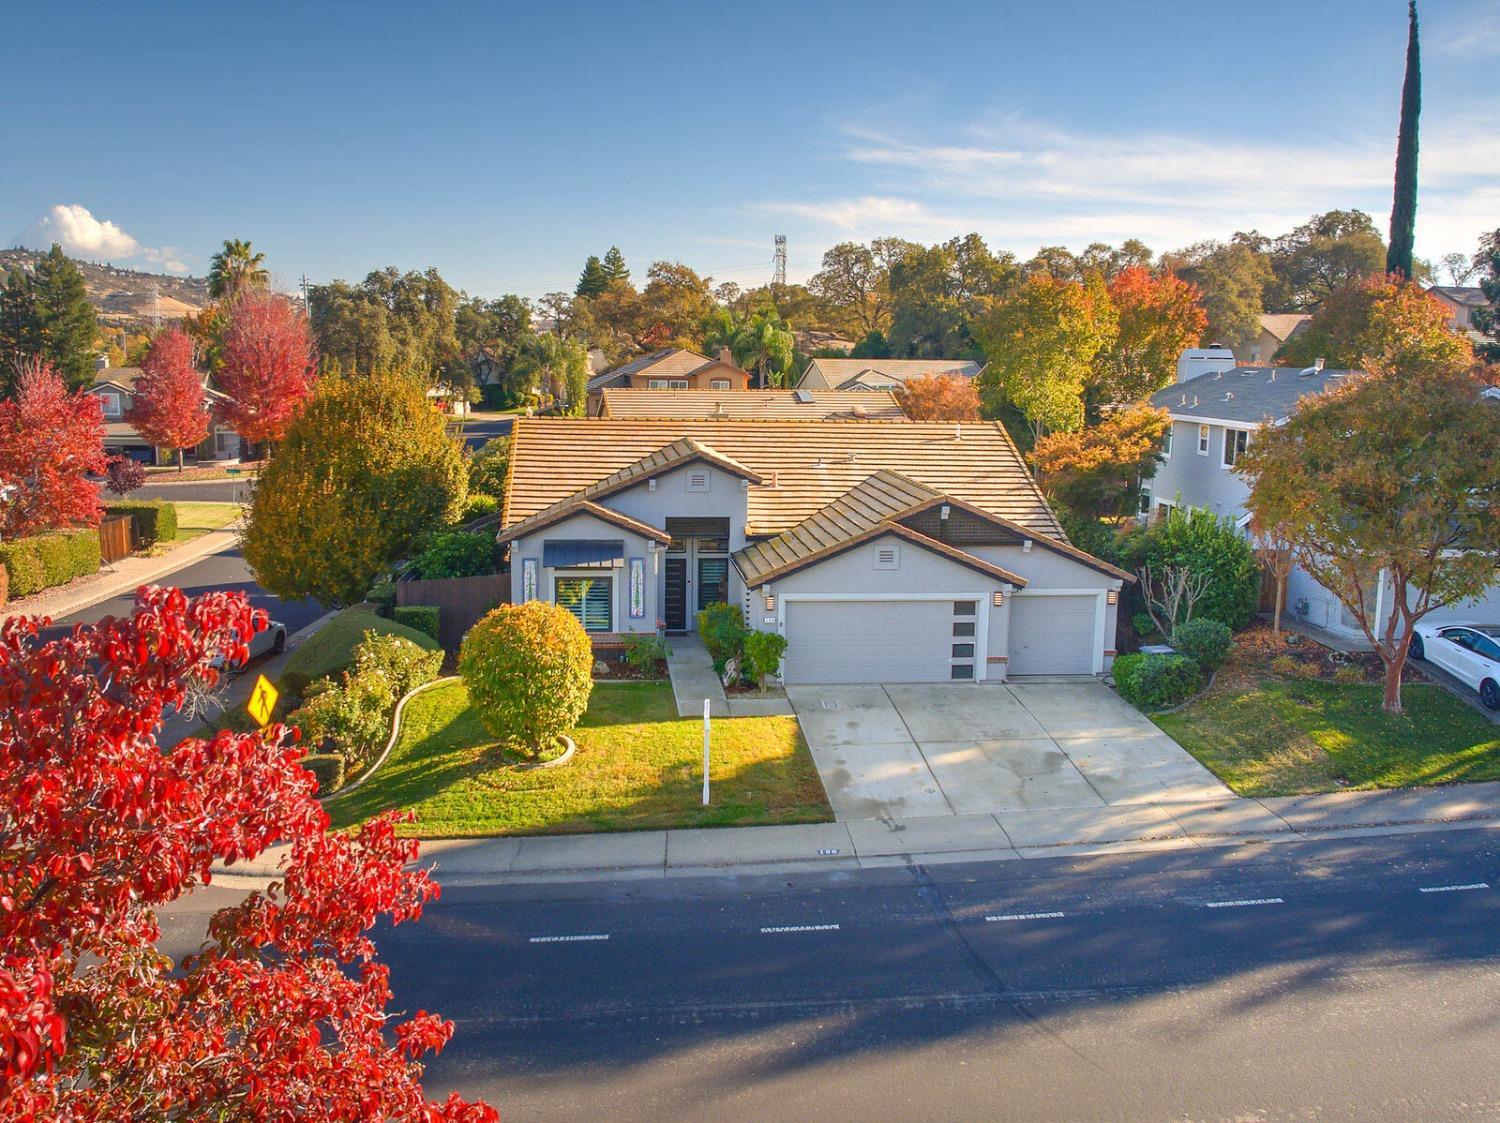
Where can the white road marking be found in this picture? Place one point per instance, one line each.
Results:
(799, 928)
(569, 939)
(1243, 904)
(1454, 888)
(1026, 916)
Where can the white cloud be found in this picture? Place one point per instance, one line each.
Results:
(1474, 33)
(79, 233)
(1026, 184)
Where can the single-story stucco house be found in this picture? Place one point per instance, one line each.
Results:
(880, 374)
(750, 405)
(884, 551)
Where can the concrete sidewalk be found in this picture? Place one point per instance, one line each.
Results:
(123, 577)
(873, 843)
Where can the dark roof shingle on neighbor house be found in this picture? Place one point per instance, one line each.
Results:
(1471, 296)
(841, 374)
(811, 405)
(800, 467)
(1251, 395)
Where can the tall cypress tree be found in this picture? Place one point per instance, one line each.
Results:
(614, 265)
(20, 336)
(65, 318)
(1404, 206)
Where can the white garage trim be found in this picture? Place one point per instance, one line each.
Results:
(981, 619)
(1101, 610)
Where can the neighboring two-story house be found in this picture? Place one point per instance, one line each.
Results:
(884, 551)
(1462, 301)
(115, 389)
(1217, 407)
(671, 368)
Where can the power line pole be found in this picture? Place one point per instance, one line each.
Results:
(778, 267)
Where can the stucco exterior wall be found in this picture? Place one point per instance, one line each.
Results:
(1045, 569)
(587, 526)
(1191, 480)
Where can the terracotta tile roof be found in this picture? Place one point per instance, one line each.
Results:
(953, 553)
(626, 402)
(669, 362)
(566, 510)
(868, 504)
(803, 465)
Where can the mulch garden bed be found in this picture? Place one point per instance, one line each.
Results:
(1259, 652)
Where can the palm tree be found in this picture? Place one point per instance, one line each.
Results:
(234, 268)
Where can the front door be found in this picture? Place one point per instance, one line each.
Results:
(675, 604)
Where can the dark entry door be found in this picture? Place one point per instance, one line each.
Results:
(713, 581)
(675, 606)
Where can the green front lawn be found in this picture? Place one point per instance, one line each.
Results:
(638, 767)
(1282, 736)
(196, 519)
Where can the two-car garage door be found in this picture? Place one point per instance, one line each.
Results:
(1052, 635)
(869, 641)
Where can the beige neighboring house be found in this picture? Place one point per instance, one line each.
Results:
(1275, 329)
(879, 374)
(750, 405)
(1461, 302)
(115, 389)
(671, 368)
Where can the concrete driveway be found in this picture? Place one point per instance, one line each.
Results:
(915, 750)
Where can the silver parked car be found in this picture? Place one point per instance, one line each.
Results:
(1468, 652)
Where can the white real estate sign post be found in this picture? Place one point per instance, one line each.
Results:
(705, 752)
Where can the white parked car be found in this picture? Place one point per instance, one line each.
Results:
(1469, 652)
(271, 641)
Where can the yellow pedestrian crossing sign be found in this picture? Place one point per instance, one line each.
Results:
(262, 700)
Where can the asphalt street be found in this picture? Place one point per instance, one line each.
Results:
(476, 433)
(225, 570)
(1353, 979)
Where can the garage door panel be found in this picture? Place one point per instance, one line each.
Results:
(868, 641)
(1052, 635)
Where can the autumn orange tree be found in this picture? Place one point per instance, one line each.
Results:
(1388, 490)
(1383, 321)
(167, 407)
(1097, 471)
(1158, 316)
(939, 397)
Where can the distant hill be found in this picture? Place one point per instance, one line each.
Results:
(126, 297)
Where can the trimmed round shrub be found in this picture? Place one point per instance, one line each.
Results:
(1161, 680)
(354, 714)
(1125, 672)
(529, 672)
(1205, 640)
(763, 652)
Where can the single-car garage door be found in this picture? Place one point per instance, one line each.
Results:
(871, 641)
(1052, 635)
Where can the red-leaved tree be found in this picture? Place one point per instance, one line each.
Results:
(50, 440)
(282, 1015)
(266, 366)
(168, 407)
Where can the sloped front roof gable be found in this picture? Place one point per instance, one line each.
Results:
(799, 467)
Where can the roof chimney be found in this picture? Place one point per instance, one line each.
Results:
(1197, 361)
(101, 362)
(726, 357)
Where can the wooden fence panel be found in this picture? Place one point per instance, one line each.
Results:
(463, 600)
(116, 538)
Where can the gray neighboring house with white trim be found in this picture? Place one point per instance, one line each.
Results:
(1217, 407)
(884, 551)
(879, 374)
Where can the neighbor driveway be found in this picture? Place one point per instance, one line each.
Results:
(913, 750)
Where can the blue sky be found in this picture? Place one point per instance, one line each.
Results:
(504, 142)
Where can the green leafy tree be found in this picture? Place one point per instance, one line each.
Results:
(389, 321)
(65, 326)
(593, 280)
(1233, 277)
(1388, 489)
(1487, 265)
(854, 285)
(1042, 342)
(939, 292)
(674, 304)
(614, 266)
(235, 268)
(20, 334)
(551, 369)
(1210, 553)
(1398, 258)
(488, 467)
(364, 470)
(1322, 255)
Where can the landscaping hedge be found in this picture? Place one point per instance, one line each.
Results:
(1207, 641)
(382, 595)
(423, 618)
(328, 768)
(4, 586)
(155, 520)
(331, 648)
(46, 560)
(1157, 681)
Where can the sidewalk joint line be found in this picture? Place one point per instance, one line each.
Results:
(569, 939)
(1244, 903)
(1453, 888)
(1027, 916)
(799, 928)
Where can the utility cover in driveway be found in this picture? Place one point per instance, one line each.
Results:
(1052, 635)
(868, 641)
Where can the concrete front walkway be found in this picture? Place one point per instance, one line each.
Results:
(693, 680)
(873, 843)
(907, 751)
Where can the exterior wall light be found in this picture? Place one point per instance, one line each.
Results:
(770, 603)
(997, 598)
(1113, 596)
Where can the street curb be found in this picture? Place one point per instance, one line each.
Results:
(179, 558)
